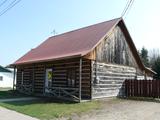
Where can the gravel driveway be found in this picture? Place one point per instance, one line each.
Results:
(117, 109)
(112, 109)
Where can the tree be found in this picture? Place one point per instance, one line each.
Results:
(153, 55)
(155, 62)
(144, 56)
(156, 68)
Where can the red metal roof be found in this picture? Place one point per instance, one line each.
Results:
(75, 43)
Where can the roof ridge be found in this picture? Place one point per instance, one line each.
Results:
(84, 27)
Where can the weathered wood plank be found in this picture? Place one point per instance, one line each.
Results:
(108, 79)
(60, 71)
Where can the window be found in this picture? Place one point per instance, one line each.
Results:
(71, 78)
(1, 78)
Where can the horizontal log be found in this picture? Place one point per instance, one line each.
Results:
(58, 81)
(106, 73)
(59, 85)
(111, 81)
(59, 71)
(114, 77)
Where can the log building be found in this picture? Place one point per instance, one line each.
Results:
(87, 63)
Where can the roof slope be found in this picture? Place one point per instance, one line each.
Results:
(2, 69)
(75, 43)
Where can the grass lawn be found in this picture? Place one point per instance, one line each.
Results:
(5, 94)
(46, 110)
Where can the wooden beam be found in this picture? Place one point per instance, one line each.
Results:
(44, 85)
(145, 75)
(80, 78)
(136, 73)
(14, 77)
(33, 78)
(91, 82)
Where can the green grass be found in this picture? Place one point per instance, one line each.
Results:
(5, 94)
(46, 110)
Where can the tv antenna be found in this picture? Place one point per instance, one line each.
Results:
(54, 32)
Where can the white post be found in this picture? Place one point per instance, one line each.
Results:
(14, 77)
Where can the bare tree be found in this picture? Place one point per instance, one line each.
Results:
(154, 60)
(153, 55)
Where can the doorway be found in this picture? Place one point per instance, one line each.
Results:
(48, 79)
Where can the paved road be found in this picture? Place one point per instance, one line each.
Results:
(6, 114)
(123, 110)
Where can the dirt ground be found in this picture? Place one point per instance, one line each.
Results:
(121, 109)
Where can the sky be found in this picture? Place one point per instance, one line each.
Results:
(31, 22)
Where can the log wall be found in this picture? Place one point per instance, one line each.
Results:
(39, 78)
(113, 63)
(108, 79)
(27, 75)
(35, 74)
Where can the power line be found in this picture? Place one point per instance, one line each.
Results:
(3, 2)
(10, 6)
(127, 7)
(128, 1)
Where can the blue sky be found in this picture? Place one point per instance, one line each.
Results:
(32, 21)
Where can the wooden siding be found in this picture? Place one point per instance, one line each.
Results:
(36, 75)
(27, 75)
(142, 88)
(39, 76)
(108, 79)
(19, 76)
(115, 49)
(112, 63)
(60, 75)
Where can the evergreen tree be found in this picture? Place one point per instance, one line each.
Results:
(156, 68)
(144, 56)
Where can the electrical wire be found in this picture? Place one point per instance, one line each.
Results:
(3, 2)
(127, 8)
(10, 6)
(128, 1)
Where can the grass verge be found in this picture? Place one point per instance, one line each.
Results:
(46, 110)
(5, 94)
(147, 99)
